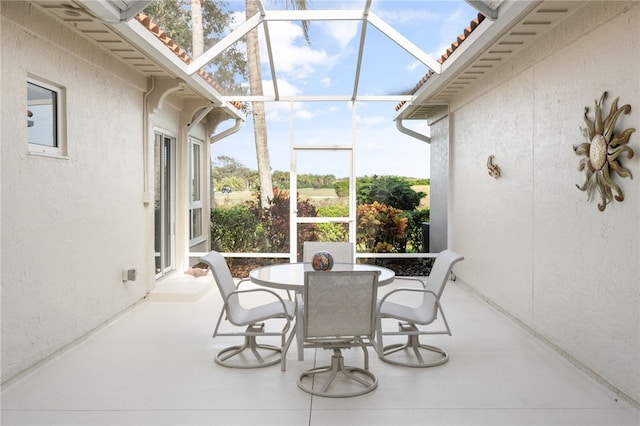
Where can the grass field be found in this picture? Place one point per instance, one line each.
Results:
(311, 194)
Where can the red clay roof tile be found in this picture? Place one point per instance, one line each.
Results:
(180, 53)
(462, 37)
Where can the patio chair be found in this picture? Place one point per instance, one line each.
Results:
(252, 318)
(338, 311)
(342, 252)
(410, 354)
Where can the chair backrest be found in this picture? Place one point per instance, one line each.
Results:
(342, 252)
(340, 303)
(224, 281)
(440, 271)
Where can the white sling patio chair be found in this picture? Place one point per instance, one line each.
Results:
(338, 308)
(251, 318)
(342, 252)
(410, 354)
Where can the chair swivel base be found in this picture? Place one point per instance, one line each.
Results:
(364, 380)
(412, 348)
(233, 356)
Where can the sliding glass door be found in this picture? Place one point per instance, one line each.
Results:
(164, 203)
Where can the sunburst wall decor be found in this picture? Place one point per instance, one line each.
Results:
(602, 152)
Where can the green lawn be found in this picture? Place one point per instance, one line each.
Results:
(307, 193)
(239, 197)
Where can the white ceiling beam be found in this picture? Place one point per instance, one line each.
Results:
(404, 43)
(321, 98)
(272, 66)
(363, 35)
(313, 15)
(223, 44)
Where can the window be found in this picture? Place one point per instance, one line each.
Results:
(45, 118)
(195, 175)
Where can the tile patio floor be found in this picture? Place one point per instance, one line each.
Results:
(154, 366)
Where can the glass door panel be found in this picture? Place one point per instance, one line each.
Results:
(164, 190)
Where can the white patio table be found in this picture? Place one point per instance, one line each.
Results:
(290, 277)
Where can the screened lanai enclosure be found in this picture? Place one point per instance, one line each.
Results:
(318, 155)
(126, 113)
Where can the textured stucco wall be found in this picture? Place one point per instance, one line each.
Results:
(439, 191)
(532, 243)
(69, 225)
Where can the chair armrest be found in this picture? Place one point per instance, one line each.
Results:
(264, 290)
(300, 326)
(422, 282)
(407, 290)
(243, 280)
(299, 304)
(299, 313)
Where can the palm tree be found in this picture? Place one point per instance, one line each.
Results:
(197, 33)
(257, 108)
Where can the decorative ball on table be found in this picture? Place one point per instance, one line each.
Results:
(322, 261)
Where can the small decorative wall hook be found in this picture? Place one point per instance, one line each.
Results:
(494, 170)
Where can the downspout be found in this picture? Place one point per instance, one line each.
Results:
(219, 136)
(146, 193)
(213, 138)
(412, 133)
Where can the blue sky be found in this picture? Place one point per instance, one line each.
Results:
(327, 67)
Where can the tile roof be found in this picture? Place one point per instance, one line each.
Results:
(461, 38)
(161, 35)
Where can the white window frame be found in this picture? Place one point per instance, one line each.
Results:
(58, 147)
(196, 174)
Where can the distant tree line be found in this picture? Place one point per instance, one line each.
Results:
(228, 171)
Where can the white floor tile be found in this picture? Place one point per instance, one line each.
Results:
(155, 366)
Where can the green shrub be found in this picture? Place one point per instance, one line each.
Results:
(333, 231)
(233, 182)
(391, 191)
(233, 229)
(415, 218)
(341, 187)
(275, 222)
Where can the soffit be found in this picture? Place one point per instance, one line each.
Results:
(434, 92)
(74, 16)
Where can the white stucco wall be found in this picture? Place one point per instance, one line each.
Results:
(439, 188)
(532, 242)
(69, 225)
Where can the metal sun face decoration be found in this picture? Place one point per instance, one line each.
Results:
(602, 151)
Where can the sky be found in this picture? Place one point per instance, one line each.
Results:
(327, 66)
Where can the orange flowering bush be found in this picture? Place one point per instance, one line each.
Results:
(380, 228)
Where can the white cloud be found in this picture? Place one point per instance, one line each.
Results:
(452, 26)
(371, 120)
(413, 65)
(279, 111)
(303, 114)
(284, 88)
(291, 53)
(401, 17)
(343, 32)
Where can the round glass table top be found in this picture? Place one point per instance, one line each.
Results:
(290, 276)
